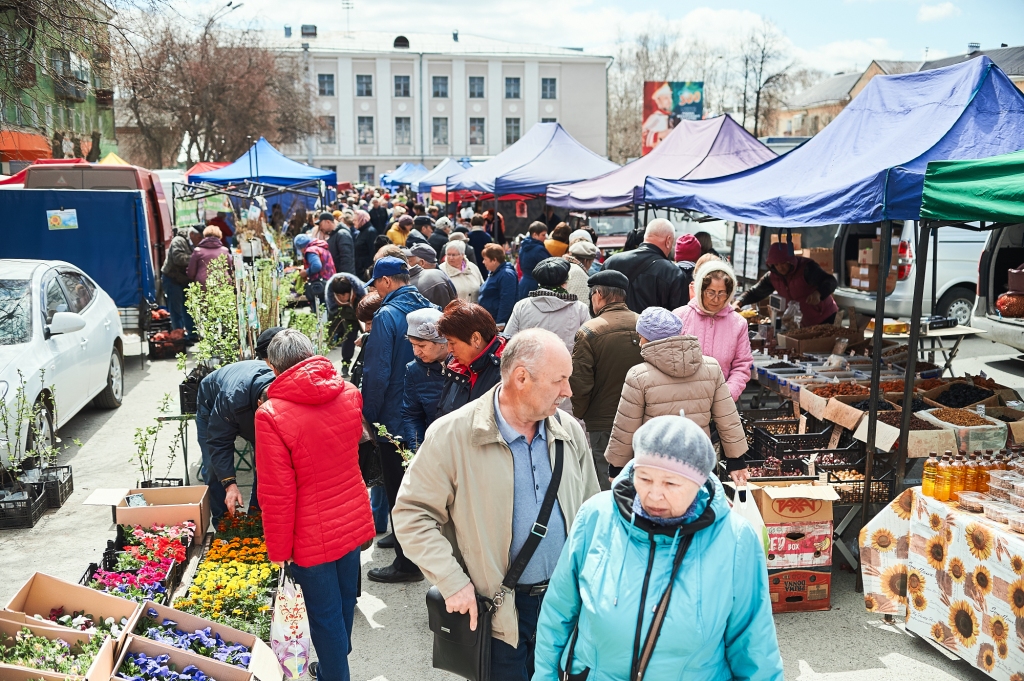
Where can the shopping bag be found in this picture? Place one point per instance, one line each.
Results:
(289, 630)
(744, 505)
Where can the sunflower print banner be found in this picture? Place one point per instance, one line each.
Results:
(958, 577)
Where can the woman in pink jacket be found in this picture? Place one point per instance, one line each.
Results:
(721, 330)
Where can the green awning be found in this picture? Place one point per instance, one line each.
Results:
(989, 189)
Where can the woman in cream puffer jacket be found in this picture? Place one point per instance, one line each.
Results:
(674, 377)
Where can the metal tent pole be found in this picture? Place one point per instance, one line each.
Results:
(645, 214)
(876, 362)
(915, 328)
(935, 271)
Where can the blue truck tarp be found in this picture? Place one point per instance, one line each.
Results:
(111, 243)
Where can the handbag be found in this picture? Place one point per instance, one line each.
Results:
(289, 629)
(467, 653)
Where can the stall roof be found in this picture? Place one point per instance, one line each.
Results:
(264, 163)
(989, 189)
(546, 154)
(694, 150)
(440, 174)
(869, 163)
(407, 173)
(205, 167)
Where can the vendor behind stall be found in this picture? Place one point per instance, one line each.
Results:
(799, 279)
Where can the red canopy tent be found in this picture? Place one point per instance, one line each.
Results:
(23, 146)
(205, 167)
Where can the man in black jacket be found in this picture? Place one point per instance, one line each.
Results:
(342, 246)
(365, 236)
(654, 280)
(378, 216)
(226, 409)
(439, 238)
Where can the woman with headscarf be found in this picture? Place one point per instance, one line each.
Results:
(658, 578)
(796, 279)
(720, 330)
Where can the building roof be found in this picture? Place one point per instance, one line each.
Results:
(832, 90)
(1009, 59)
(371, 42)
(891, 68)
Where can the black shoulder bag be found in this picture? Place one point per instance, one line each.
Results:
(467, 653)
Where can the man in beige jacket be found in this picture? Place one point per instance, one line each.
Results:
(473, 492)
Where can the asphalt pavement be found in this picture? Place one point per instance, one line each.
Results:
(391, 640)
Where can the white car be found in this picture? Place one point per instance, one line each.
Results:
(60, 337)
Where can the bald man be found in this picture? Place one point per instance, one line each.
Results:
(654, 279)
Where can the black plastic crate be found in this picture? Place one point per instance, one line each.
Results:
(774, 426)
(787, 446)
(162, 482)
(169, 582)
(58, 488)
(842, 457)
(24, 513)
(188, 396)
(852, 491)
(167, 349)
(783, 411)
(121, 540)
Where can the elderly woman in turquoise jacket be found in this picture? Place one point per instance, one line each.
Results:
(658, 579)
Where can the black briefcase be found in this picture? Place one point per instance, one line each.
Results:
(458, 650)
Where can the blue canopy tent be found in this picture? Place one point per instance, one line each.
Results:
(545, 155)
(868, 164)
(263, 163)
(439, 175)
(407, 173)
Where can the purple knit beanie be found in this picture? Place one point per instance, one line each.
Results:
(656, 323)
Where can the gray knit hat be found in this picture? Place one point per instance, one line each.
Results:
(656, 323)
(674, 444)
(423, 325)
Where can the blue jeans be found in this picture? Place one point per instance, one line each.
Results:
(380, 507)
(516, 664)
(330, 591)
(174, 296)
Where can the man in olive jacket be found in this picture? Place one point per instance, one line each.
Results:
(606, 348)
(473, 492)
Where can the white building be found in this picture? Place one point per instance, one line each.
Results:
(385, 98)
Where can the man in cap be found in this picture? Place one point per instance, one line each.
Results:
(399, 231)
(435, 285)
(341, 243)
(423, 376)
(319, 267)
(581, 254)
(226, 409)
(421, 230)
(387, 354)
(324, 226)
(606, 348)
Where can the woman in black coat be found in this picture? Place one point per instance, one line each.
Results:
(474, 366)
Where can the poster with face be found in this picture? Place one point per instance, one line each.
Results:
(665, 104)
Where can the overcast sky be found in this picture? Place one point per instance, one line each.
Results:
(833, 35)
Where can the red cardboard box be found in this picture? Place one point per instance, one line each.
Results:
(793, 545)
(800, 590)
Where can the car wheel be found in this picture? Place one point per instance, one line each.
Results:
(112, 395)
(40, 432)
(957, 302)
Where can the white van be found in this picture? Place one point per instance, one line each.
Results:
(957, 282)
(1004, 250)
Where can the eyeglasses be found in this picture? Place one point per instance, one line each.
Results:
(715, 295)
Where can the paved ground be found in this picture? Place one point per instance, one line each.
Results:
(391, 639)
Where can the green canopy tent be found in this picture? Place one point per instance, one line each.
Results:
(981, 195)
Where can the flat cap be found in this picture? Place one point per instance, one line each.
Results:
(612, 278)
(552, 272)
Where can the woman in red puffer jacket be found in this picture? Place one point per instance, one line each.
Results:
(316, 510)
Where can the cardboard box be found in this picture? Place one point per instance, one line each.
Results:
(865, 278)
(102, 665)
(263, 663)
(9, 673)
(800, 590)
(933, 394)
(869, 252)
(919, 442)
(787, 502)
(840, 410)
(168, 506)
(180, 659)
(814, 346)
(792, 545)
(822, 256)
(795, 240)
(1016, 428)
(42, 593)
(817, 405)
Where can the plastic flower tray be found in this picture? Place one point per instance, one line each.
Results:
(24, 513)
(59, 484)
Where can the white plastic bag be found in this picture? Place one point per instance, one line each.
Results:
(744, 505)
(289, 630)
(792, 317)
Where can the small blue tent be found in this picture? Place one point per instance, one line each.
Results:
(407, 173)
(264, 163)
(439, 175)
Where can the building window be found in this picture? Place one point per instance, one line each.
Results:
(440, 132)
(549, 120)
(366, 174)
(512, 88)
(548, 88)
(401, 86)
(440, 87)
(60, 62)
(476, 87)
(403, 130)
(365, 130)
(476, 131)
(511, 130)
(325, 83)
(327, 130)
(364, 86)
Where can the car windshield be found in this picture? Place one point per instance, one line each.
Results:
(15, 311)
(609, 225)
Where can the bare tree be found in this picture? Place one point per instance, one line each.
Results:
(765, 67)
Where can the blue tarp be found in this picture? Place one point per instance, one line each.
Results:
(545, 155)
(111, 243)
(264, 163)
(868, 164)
(439, 175)
(407, 173)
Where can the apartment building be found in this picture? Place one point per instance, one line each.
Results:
(385, 98)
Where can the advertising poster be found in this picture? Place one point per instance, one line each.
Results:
(667, 103)
(62, 219)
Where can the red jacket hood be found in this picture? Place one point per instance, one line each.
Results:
(311, 381)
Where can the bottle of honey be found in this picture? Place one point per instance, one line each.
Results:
(956, 477)
(943, 470)
(928, 475)
(971, 473)
(1000, 459)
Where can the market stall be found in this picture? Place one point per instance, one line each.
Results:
(439, 175)
(407, 173)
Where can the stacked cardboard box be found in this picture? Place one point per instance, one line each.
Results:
(799, 521)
